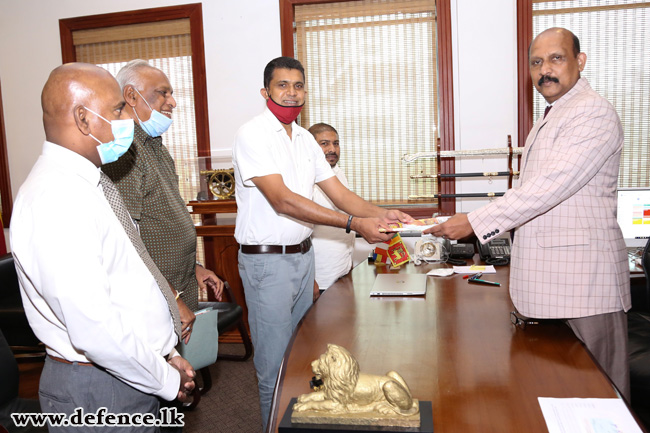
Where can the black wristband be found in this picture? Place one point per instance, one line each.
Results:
(347, 227)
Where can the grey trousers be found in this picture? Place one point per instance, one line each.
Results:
(605, 336)
(279, 290)
(66, 387)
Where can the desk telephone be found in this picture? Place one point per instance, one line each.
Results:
(496, 252)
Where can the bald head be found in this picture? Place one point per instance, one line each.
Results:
(70, 85)
(555, 62)
(561, 32)
(70, 90)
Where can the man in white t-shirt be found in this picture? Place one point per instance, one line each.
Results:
(277, 163)
(332, 245)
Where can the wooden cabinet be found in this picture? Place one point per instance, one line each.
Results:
(221, 251)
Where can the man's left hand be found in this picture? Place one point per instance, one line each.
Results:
(187, 320)
(209, 279)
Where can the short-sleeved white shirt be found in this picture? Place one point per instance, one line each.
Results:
(262, 147)
(333, 247)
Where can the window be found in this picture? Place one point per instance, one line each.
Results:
(373, 71)
(171, 39)
(615, 35)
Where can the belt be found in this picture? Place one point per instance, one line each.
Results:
(65, 361)
(302, 248)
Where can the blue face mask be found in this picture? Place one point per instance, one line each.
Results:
(157, 124)
(122, 139)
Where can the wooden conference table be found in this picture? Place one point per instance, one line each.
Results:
(456, 347)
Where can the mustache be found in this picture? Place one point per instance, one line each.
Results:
(547, 79)
(331, 154)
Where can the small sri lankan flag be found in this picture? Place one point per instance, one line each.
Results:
(397, 251)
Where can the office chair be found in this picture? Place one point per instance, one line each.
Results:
(9, 400)
(13, 321)
(638, 322)
(231, 315)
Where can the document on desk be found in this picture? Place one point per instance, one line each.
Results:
(474, 269)
(587, 415)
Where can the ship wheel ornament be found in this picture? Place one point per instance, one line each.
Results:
(221, 182)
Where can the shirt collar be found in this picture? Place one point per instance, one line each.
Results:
(277, 125)
(581, 85)
(143, 137)
(72, 162)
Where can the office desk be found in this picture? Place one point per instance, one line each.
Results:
(456, 347)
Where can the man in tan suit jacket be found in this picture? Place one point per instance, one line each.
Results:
(569, 259)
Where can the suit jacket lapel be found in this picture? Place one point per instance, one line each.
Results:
(530, 141)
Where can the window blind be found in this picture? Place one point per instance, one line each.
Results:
(371, 73)
(615, 35)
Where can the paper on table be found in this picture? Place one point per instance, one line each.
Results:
(587, 415)
(474, 269)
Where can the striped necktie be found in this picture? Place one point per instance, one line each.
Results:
(119, 208)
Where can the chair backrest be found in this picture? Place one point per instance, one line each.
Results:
(8, 372)
(13, 321)
(9, 290)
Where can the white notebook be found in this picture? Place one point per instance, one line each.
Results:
(400, 284)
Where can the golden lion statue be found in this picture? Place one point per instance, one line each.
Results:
(346, 390)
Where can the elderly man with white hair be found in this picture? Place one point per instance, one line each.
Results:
(146, 178)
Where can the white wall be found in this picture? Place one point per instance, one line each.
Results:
(485, 90)
(240, 38)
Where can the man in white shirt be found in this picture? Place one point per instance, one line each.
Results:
(277, 163)
(89, 296)
(333, 247)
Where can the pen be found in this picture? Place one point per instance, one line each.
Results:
(476, 280)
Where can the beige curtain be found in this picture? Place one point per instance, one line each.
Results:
(371, 73)
(615, 35)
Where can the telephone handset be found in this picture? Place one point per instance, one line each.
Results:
(496, 252)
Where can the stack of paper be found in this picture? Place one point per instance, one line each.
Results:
(417, 225)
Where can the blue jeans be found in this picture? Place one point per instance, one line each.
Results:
(279, 291)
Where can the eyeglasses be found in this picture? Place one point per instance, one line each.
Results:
(520, 321)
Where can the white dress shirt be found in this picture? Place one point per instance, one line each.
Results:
(87, 293)
(262, 147)
(333, 247)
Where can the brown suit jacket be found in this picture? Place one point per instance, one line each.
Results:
(568, 258)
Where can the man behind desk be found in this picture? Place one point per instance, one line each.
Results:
(277, 163)
(332, 245)
(89, 289)
(568, 258)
